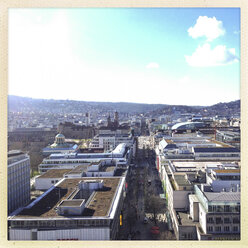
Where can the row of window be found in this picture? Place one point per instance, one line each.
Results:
(219, 220)
(219, 155)
(60, 223)
(187, 236)
(80, 161)
(223, 229)
(223, 208)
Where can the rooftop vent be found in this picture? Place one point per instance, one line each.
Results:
(90, 184)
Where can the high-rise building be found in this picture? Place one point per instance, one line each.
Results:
(18, 180)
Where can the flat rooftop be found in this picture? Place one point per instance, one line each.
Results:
(216, 149)
(78, 169)
(181, 180)
(13, 153)
(183, 219)
(107, 168)
(98, 206)
(195, 166)
(54, 173)
(236, 171)
(223, 196)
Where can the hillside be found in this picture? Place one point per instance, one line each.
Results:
(24, 104)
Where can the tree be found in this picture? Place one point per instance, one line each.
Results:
(154, 205)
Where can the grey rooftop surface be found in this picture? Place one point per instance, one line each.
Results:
(223, 196)
(216, 149)
(181, 180)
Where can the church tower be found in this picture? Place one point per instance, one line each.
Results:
(116, 119)
(109, 121)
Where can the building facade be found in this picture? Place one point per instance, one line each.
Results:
(59, 146)
(18, 180)
(120, 155)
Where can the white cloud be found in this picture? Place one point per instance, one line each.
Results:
(152, 65)
(204, 56)
(207, 26)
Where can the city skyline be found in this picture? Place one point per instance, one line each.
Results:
(154, 55)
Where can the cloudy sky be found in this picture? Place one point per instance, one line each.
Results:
(153, 55)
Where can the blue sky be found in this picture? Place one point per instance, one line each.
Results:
(185, 56)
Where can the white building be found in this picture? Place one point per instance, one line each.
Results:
(18, 180)
(218, 213)
(95, 169)
(73, 209)
(120, 155)
(221, 153)
(224, 179)
(108, 138)
(179, 180)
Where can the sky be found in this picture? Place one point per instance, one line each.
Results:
(188, 56)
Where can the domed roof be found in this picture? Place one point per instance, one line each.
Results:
(60, 135)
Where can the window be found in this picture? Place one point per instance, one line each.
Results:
(227, 208)
(218, 220)
(210, 220)
(219, 209)
(236, 220)
(226, 220)
(226, 228)
(218, 228)
(235, 228)
(210, 228)
(52, 181)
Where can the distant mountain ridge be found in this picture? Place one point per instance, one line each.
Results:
(23, 104)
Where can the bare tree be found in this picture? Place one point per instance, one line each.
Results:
(154, 204)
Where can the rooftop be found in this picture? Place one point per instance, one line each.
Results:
(78, 169)
(107, 168)
(99, 204)
(181, 180)
(183, 219)
(201, 165)
(223, 196)
(13, 153)
(216, 149)
(55, 173)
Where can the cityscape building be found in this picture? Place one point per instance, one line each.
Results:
(72, 209)
(94, 169)
(59, 146)
(18, 180)
(121, 155)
